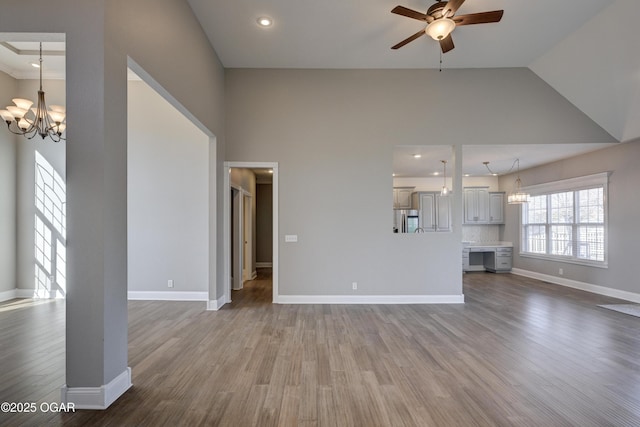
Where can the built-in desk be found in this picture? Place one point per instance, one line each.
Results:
(495, 257)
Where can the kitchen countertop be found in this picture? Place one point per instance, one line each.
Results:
(478, 246)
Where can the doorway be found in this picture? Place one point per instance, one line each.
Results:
(239, 228)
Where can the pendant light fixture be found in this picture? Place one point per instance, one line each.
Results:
(445, 191)
(23, 120)
(517, 196)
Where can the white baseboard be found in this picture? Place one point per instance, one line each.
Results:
(596, 289)
(254, 274)
(216, 304)
(8, 295)
(28, 293)
(369, 299)
(264, 264)
(168, 296)
(97, 397)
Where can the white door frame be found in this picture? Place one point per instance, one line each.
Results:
(247, 237)
(227, 223)
(235, 230)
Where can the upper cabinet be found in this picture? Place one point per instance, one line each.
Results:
(496, 207)
(402, 197)
(435, 211)
(482, 206)
(476, 205)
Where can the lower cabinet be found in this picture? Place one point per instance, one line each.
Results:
(435, 211)
(499, 261)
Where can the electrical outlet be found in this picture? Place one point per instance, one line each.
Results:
(354, 286)
(561, 272)
(170, 283)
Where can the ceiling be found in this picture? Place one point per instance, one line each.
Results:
(351, 34)
(16, 58)
(500, 157)
(356, 34)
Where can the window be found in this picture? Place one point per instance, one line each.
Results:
(50, 227)
(566, 221)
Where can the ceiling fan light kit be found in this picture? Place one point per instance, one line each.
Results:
(441, 21)
(438, 29)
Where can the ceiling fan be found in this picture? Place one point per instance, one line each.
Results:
(441, 21)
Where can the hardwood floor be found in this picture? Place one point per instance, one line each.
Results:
(519, 352)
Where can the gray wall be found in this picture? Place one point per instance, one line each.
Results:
(333, 131)
(264, 223)
(168, 193)
(100, 36)
(624, 210)
(8, 183)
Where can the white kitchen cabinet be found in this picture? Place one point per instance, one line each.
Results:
(435, 211)
(476, 205)
(499, 261)
(496, 208)
(402, 197)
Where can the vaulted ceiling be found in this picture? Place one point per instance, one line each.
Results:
(585, 49)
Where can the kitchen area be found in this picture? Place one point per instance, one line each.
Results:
(422, 203)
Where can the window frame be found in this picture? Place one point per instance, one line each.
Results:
(600, 180)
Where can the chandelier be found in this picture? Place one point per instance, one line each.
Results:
(517, 196)
(23, 120)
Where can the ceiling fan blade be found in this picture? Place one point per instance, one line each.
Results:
(408, 40)
(479, 18)
(451, 7)
(446, 44)
(410, 13)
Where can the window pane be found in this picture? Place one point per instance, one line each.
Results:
(536, 211)
(561, 240)
(536, 239)
(591, 206)
(562, 208)
(591, 242)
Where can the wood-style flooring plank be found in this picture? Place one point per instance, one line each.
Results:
(518, 352)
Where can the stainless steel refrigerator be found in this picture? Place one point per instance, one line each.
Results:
(405, 220)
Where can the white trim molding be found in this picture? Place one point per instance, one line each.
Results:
(28, 293)
(370, 299)
(9, 295)
(596, 289)
(97, 397)
(168, 296)
(264, 264)
(215, 304)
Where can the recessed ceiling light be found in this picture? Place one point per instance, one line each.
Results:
(417, 156)
(466, 174)
(265, 21)
(270, 170)
(436, 173)
(34, 64)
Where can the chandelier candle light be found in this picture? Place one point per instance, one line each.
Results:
(44, 122)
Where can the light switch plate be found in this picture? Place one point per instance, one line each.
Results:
(291, 238)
